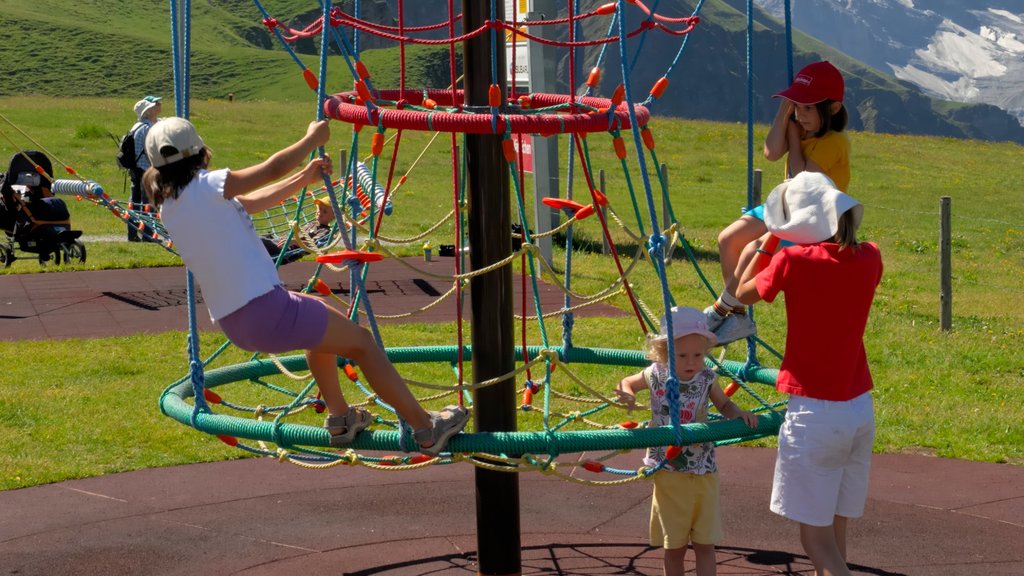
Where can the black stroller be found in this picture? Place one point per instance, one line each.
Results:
(33, 219)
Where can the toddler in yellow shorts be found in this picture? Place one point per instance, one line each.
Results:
(684, 509)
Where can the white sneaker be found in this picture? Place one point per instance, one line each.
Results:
(735, 327)
(714, 319)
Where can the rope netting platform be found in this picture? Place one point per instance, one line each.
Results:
(561, 410)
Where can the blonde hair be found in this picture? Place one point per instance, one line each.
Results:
(846, 233)
(657, 348)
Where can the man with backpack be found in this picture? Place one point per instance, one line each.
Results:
(132, 155)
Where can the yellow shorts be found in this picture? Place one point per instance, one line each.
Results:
(685, 509)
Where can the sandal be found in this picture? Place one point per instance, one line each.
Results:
(443, 425)
(343, 429)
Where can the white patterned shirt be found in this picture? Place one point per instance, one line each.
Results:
(693, 407)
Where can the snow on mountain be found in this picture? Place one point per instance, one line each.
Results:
(954, 50)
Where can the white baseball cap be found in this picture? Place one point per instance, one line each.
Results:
(806, 208)
(172, 139)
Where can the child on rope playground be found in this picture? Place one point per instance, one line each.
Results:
(808, 131)
(207, 215)
(685, 506)
(829, 278)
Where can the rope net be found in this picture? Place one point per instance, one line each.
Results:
(566, 402)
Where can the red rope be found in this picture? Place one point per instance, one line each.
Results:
(604, 227)
(343, 107)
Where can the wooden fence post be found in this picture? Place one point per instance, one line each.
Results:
(945, 267)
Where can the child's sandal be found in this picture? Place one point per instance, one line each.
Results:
(343, 429)
(443, 425)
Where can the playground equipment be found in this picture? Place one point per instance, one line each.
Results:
(509, 381)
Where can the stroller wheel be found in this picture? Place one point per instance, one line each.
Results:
(6, 256)
(72, 251)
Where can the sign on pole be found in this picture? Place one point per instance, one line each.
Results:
(517, 58)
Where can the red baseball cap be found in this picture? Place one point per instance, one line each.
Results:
(815, 83)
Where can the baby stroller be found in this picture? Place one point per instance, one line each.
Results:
(33, 219)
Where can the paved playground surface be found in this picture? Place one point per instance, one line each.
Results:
(255, 516)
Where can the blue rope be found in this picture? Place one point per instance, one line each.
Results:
(657, 240)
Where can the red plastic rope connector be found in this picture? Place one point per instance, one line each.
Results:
(732, 388)
(310, 79)
(271, 23)
(620, 147)
(70, 170)
(593, 466)
(509, 147)
(594, 78)
(659, 87)
(377, 144)
(361, 70)
(364, 92)
(211, 396)
(648, 138)
(429, 104)
(673, 451)
(494, 96)
(322, 287)
(525, 102)
(586, 211)
(528, 397)
(600, 198)
(629, 425)
(605, 9)
(618, 96)
(350, 372)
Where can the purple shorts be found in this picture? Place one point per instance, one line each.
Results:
(278, 321)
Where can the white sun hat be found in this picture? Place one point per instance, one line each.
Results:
(806, 208)
(686, 321)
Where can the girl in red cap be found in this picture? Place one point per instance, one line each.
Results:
(808, 131)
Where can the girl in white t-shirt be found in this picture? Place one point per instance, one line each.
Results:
(207, 214)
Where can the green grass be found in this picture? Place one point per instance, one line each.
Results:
(78, 408)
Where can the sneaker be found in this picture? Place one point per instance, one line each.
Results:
(735, 327)
(444, 425)
(714, 319)
(343, 429)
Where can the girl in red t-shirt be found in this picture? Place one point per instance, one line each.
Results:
(821, 472)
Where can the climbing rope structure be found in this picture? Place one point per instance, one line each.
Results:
(563, 411)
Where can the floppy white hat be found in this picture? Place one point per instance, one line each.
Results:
(172, 139)
(144, 105)
(806, 208)
(686, 321)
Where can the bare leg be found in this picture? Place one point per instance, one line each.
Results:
(707, 564)
(345, 338)
(674, 561)
(820, 544)
(731, 243)
(747, 253)
(839, 526)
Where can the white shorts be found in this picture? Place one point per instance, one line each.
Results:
(824, 459)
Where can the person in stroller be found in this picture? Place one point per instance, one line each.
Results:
(33, 219)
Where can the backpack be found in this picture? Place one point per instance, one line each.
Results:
(126, 157)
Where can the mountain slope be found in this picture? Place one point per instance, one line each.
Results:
(122, 48)
(959, 51)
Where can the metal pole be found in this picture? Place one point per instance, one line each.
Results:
(543, 72)
(945, 267)
(493, 341)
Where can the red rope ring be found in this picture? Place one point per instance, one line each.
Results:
(343, 107)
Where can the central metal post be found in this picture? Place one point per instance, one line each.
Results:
(490, 241)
